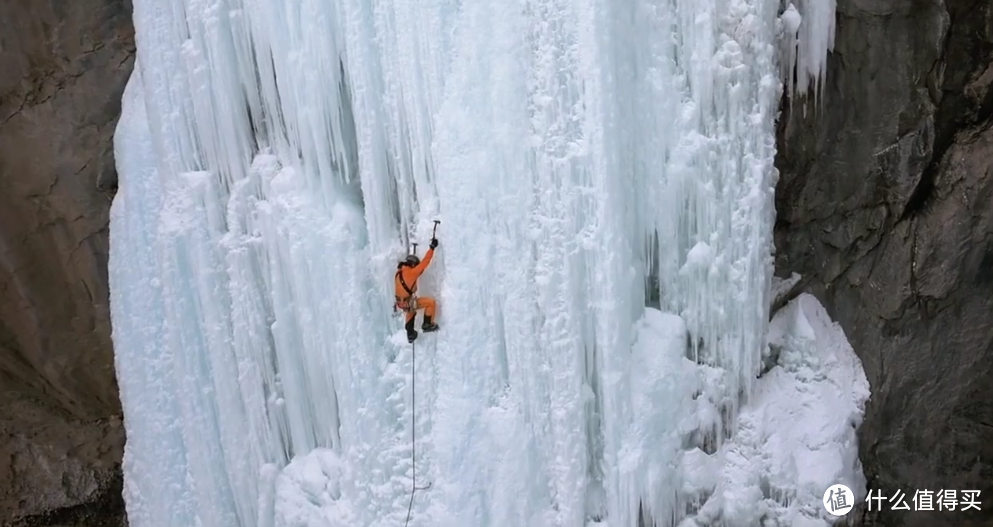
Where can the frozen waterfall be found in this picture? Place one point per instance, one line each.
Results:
(604, 176)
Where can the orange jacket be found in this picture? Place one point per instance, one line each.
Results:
(410, 276)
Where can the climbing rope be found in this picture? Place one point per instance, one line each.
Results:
(413, 428)
(413, 404)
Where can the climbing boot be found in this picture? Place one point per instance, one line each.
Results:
(411, 332)
(429, 326)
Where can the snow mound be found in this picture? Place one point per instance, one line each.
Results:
(797, 434)
(308, 493)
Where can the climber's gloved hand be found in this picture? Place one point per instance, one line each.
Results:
(434, 242)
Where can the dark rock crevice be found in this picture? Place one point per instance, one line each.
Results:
(958, 108)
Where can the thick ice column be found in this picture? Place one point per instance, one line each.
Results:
(564, 108)
(174, 288)
(641, 121)
(486, 358)
(215, 257)
(716, 226)
(382, 181)
(197, 310)
(160, 28)
(222, 120)
(155, 487)
(308, 89)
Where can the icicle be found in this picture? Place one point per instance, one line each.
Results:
(808, 36)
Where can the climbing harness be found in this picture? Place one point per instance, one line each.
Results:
(405, 304)
(408, 304)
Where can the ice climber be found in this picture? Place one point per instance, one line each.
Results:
(405, 282)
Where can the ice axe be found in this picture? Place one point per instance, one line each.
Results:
(433, 231)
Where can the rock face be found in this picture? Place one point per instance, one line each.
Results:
(885, 206)
(64, 66)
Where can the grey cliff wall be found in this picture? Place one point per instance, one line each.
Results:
(63, 66)
(885, 206)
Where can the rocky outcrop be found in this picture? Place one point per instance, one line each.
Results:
(59, 470)
(885, 206)
(64, 66)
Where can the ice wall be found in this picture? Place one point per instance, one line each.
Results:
(587, 159)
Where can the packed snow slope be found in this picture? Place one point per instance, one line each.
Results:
(604, 176)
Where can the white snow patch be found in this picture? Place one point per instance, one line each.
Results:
(308, 493)
(797, 435)
(662, 384)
